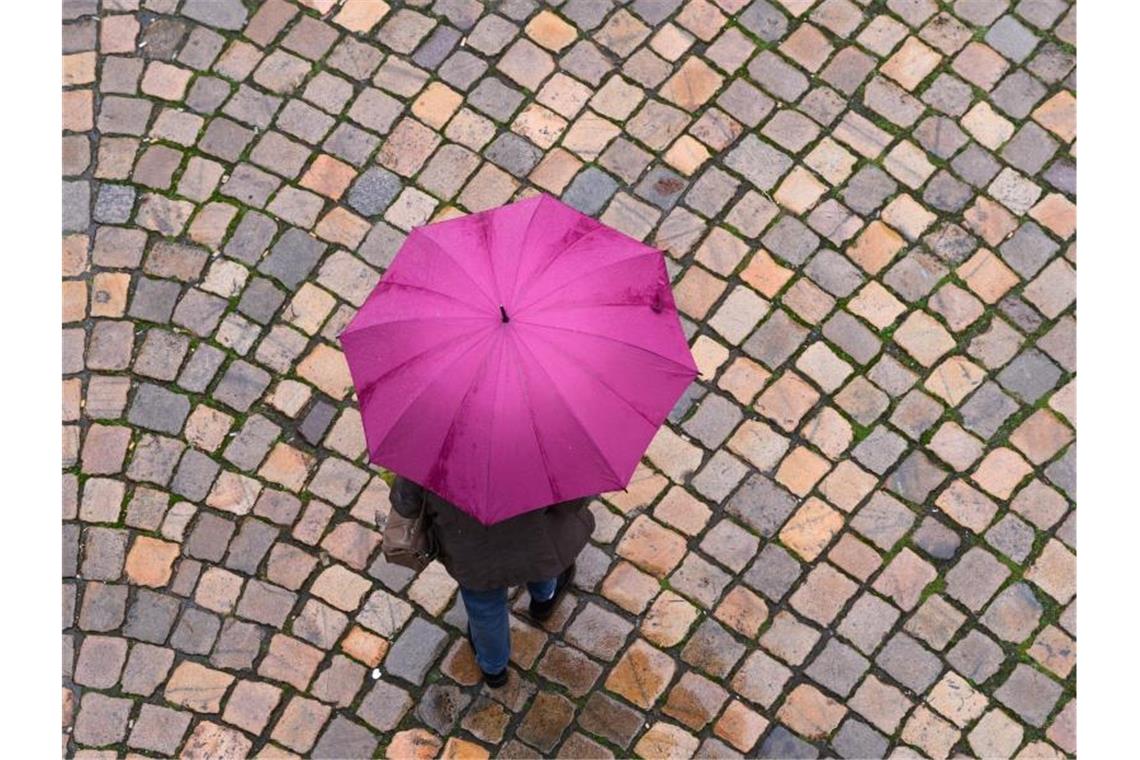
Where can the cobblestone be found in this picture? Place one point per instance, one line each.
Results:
(835, 544)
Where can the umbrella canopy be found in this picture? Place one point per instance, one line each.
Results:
(517, 357)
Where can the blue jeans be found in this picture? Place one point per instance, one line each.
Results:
(490, 626)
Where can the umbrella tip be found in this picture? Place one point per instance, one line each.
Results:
(503, 314)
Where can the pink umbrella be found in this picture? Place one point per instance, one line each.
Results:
(517, 357)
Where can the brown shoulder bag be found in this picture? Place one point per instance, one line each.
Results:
(409, 541)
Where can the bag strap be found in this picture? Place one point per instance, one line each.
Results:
(431, 544)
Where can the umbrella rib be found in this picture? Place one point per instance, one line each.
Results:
(458, 266)
(613, 340)
(368, 388)
(554, 491)
(485, 230)
(591, 305)
(424, 318)
(491, 426)
(455, 417)
(538, 275)
(425, 386)
(583, 366)
(573, 414)
(523, 246)
(409, 286)
(590, 273)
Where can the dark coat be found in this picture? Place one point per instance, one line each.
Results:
(530, 547)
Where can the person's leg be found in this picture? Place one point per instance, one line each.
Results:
(490, 628)
(541, 591)
(545, 595)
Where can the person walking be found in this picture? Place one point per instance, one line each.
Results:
(537, 548)
(510, 365)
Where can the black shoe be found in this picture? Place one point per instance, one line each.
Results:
(541, 611)
(494, 680)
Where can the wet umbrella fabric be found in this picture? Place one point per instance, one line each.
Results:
(517, 357)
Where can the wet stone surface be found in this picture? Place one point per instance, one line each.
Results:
(853, 536)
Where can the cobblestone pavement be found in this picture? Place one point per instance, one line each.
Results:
(856, 535)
